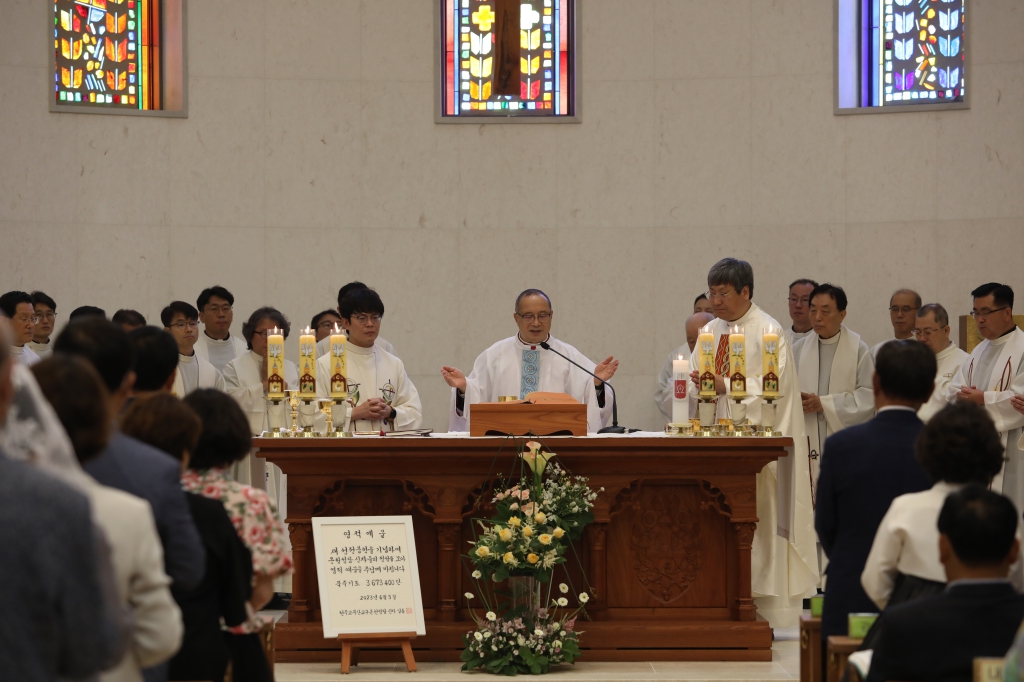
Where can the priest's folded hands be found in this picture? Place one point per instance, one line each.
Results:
(811, 402)
(1017, 402)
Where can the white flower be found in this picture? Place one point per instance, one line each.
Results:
(492, 616)
(479, 637)
(562, 633)
(562, 601)
(584, 598)
(563, 588)
(556, 644)
(487, 634)
(477, 574)
(521, 640)
(538, 632)
(469, 595)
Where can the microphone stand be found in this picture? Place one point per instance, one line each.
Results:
(614, 428)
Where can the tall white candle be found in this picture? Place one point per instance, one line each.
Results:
(680, 377)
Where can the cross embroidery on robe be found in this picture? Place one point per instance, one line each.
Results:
(530, 369)
(722, 356)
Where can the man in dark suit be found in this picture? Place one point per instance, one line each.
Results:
(865, 467)
(938, 637)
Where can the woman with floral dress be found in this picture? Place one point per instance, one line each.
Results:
(225, 440)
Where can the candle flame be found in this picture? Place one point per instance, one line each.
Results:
(275, 331)
(706, 329)
(337, 329)
(680, 357)
(736, 329)
(307, 331)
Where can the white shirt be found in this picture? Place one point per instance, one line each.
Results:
(379, 375)
(24, 355)
(194, 372)
(948, 361)
(219, 352)
(43, 350)
(323, 346)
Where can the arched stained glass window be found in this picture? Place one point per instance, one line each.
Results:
(503, 59)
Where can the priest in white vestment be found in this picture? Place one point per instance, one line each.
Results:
(46, 312)
(933, 331)
(385, 398)
(835, 368)
(666, 381)
(991, 377)
(519, 366)
(323, 345)
(18, 308)
(784, 561)
(800, 310)
(323, 325)
(216, 344)
(182, 321)
(903, 307)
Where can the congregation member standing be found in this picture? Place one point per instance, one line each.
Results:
(194, 372)
(385, 398)
(903, 307)
(130, 320)
(323, 345)
(835, 373)
(933, 330)
(18, 307)
(156, 361)
(783, 560)
(867, 467)
(519, 366)
(800, 309)
(992, 376)
(666, 382)
(46, 311)
(216, 344)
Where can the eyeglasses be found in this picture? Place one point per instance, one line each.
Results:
(25, 318)
(364, 319)
(262, 334)
(924, 333)
(806, 300)
(326, 324)
(181, 326)
(530, 317)
(712, 295)
(214, 309)
(981, 314)
(906, 310)
(46, 316)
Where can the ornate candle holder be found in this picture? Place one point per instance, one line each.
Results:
(307, 414)
(706, 406)
(293, 403)
(739, 417)
(340, 408)
(275, 417)
(768, 415)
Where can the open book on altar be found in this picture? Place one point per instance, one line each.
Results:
(539, 414)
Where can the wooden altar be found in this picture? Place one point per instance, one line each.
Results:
(667, 560)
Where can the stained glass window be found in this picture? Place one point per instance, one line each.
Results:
(107, 53)
(507, 58)
(908, 52)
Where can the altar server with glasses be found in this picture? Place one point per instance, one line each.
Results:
(182, 321)
(519, 366)
(18, 307)
(991, 377)
(46, 312)
(903, 307)
(323, 344)
(217, 344)
(933, 331)
(800, 309)
(385, 398)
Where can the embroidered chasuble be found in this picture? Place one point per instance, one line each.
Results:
(531, 369)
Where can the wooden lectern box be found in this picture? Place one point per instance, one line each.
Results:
(519, 418)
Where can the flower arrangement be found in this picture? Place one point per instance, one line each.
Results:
(536, 520)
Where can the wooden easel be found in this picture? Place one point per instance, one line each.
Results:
(350, 645)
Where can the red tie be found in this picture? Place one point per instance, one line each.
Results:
(722, 356)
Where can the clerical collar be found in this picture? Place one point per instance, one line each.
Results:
(17, 350)
(187, 358)
(946, 351)
(359, 350)
(831, 340)
(1003, 338)
(257, 357)
(532, 346)
(217, 342)
(742, 319)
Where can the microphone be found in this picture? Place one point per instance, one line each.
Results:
(614, 428)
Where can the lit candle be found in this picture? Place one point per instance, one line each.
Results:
(275, 364)
(706, 361)
(737, 362)
(681, 377)
(770, 363)
(307, 364)
(339, 368)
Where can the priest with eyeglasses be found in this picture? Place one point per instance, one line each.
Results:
(519, 366)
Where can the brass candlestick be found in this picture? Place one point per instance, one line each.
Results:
(307, 414)
(293, 402)
(739, 417)
(338, 411)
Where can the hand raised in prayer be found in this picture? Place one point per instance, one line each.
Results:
(1017, 402)
(811, 402)
(372, 410)
(454, 377)
(606, 370)
(971, 395)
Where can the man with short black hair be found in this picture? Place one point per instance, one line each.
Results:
(903, 307)
(217, 344)
(932, 330)
(701, 304)
(800, 309)
(18, 308)
(867, 467)
(977, 616)
(129, 319)
(992, 375)
(46, 311)
(835, 370)
(324, 344)
(194, 371)
(323, 325)
(156, 361)
(87, 311)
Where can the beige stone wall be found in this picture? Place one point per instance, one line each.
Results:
(707, 130)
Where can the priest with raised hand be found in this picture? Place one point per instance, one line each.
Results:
(991, 376)
(216, 344)
(385, 398)
(666, 382)
(835, 370)
(519, 366)
(323, 344)
(784, 560)
(933, 331)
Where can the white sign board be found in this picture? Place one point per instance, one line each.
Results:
(369, 579)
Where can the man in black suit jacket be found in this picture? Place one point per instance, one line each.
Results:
(865, 467)
(938, 637)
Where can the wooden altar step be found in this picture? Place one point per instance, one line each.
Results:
(603, 641)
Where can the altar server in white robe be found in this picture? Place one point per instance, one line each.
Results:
(323, 345)
(933, 331)
(217, 344)
(666, 382)
(784, 561)
(800, 310)
(519, 366)
(46, 312)
(903, 307)
(182, 321)
(835, 370)
(991, 377)
(386, 399)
